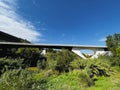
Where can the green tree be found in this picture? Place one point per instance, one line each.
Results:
(30, 55)
(60, 60)
(112, 43)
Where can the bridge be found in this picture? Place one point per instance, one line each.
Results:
(98, 50)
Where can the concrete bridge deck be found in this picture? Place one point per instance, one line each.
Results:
(98, 50)
(57, 46)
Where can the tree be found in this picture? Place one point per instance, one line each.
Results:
(60, 60)
(112, 43)
(63, 60)
(30, 55)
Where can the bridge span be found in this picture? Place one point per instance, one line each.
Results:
(98, 50)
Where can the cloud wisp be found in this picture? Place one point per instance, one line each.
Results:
(102, 40)
(14, 24)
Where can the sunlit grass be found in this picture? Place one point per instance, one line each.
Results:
(33, 68)
(107, 83)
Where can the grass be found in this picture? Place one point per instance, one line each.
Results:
(108, 83)
(70, 81)
(33, 68)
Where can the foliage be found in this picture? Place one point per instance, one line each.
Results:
(107, 83)
(60, 60)
(102, 83)
(51, 60)
(21, 79)
(8, 52)
(41, 63)
(8, 63)
(96, 67)
(63, 60)
(75, 80)
(118, 52)
(45, 74)
(49, 50)
(49, 80)
(78, 64)
(112, 43)
(113, 60)
(30, 55)
(90, 77)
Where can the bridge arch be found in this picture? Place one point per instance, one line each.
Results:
(96, 52)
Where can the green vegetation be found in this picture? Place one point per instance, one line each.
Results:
(113, 43)
(30, 55)
(60, 69)
(59, 60)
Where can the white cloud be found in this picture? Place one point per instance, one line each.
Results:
(102, 40)
(14, 24)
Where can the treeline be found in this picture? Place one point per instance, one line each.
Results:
(60, 69)
(113, 44)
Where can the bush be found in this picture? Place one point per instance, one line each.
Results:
(78, 64)
(95, 67)
(51, 60)
(8, 52)
(98, 67)
(60, 60)
(63, 60)
(75, 80)
(8, 63)
(30, 55)
(21, 79)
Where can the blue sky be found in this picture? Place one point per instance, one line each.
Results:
(85, 22)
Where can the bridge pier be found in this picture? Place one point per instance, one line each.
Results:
(77, 51)
(43, 51)
(98, 53)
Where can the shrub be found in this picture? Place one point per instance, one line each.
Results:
(75, 80)
(30, 55)
(51, 60)
(8, 63)
(98, 67)
(78, 64)
(94, 67)
(60, 60)
(7, 52)
(21, 79)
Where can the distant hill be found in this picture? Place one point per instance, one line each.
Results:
(5, 37)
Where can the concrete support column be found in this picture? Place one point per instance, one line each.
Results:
(77, 51)
(98, 53)
(44, 51)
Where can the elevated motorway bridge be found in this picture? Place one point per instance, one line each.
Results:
(98, 50)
